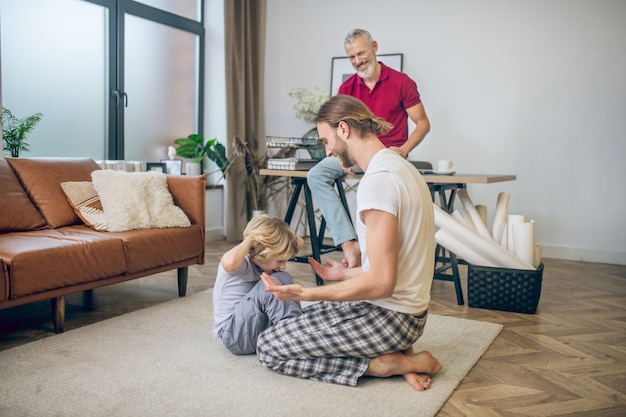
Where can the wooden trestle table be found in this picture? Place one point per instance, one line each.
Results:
(445, 186)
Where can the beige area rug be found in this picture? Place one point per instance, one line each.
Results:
(164, 361)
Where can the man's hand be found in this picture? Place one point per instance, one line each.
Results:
(347, 170)
(291, 292)
(335, 271)
(399, 151)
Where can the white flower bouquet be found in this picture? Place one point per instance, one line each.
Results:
(308, 103)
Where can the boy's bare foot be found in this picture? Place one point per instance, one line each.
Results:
(352, 253)
(416, 368)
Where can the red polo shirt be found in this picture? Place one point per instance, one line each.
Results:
(393, 93)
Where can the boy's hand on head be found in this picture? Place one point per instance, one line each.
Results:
(251, 235)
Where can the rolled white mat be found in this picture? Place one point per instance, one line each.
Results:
(510, 221)
(487, 248)
(482, 211)
(471, 209)
(537, 256)
(524, 241)
(465, 252)
(463, 217)
(499, 217)
(504, 240)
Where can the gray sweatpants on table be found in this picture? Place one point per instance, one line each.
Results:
(257, 311)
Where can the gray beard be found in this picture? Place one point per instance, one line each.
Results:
(368, 73)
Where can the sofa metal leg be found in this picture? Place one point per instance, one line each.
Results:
(58, 313)
(182, 281)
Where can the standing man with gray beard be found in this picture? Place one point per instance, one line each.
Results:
(389, 94)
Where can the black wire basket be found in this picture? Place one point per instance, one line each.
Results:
(290, 142)
(515, 290)
(291, 164)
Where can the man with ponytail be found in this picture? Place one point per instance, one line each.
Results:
(367, 318)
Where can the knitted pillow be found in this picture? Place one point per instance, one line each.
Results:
(85, 201)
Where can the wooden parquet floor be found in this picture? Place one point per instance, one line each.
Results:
(569, 359)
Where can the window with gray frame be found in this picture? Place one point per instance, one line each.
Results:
(114, 79)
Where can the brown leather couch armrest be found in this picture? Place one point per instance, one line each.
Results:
(189, 194)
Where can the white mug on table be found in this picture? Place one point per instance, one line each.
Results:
(444, 166)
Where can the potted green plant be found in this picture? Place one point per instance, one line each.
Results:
(15, 132)
(193, 147)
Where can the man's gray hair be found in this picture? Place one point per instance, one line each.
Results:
(355, 33)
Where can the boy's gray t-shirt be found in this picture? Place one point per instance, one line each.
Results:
(229, 289)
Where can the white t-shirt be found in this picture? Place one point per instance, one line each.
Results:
(394, 185)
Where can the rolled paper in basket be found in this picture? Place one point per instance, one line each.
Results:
(537, 256)
(524, 241)
(482, 212)
(499, 217)
(463, 217)
(504, 241)
(471, 209)
(464, 252)
(510, 221)
(487, 248)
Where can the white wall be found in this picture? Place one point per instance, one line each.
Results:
(535, 88)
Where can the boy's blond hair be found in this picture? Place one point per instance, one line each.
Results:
(272, 238)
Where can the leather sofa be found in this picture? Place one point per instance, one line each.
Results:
(47, 252)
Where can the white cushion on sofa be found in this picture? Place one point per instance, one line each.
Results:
(137, 200)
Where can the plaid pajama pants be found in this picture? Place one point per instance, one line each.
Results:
(334, 341)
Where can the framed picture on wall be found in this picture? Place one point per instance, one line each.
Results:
(156, 166)
(173, 166)
(341, 68)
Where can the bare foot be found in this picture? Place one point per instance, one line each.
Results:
(352, 253)
(399, 363)
(419, 382)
